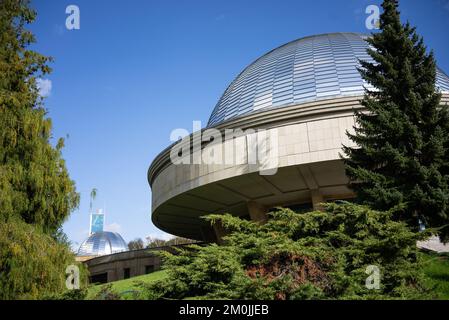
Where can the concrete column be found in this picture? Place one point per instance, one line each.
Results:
(208, 234)
(220, 232)
(317, 199)
(257, 212)
(112, 275)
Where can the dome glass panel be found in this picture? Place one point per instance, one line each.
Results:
(308, 69)
(102, 243)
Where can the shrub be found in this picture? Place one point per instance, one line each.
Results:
(315, 255)
(106, 292)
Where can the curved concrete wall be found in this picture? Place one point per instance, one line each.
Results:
(308, 137)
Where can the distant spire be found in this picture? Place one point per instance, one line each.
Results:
(93, 195)
(96, 219)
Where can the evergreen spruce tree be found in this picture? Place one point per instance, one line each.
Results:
(402, 136)
(34, 182)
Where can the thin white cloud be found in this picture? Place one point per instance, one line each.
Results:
(113, 227)
(160, 235)
(44, 86)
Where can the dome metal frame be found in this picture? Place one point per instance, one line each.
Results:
(102, 243)
(308, 69)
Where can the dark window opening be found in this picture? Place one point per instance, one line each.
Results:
(149, 269)
(126, 273)
(99, 278)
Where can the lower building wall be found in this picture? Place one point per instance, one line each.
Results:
(126, 264)
(116, 270)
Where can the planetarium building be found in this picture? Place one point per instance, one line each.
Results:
(302, 95)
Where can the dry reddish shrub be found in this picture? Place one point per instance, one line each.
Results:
(302, 269)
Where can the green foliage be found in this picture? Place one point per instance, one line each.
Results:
(75, 294)
(36, 193)
(402, 135)
(32, 264)
(34, 182)
(315, 255)
(106, 292)
(128, 288)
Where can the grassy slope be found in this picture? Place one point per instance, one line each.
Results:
(436, 268)
(127, 285)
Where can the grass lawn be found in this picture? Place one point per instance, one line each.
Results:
(125, 287)
(436, 268)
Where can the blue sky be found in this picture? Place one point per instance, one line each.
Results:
(138, 69)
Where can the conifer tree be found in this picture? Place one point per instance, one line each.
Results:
(402, 135)
(34, 182)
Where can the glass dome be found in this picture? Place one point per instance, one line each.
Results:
(308, 69)
(102, 243)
